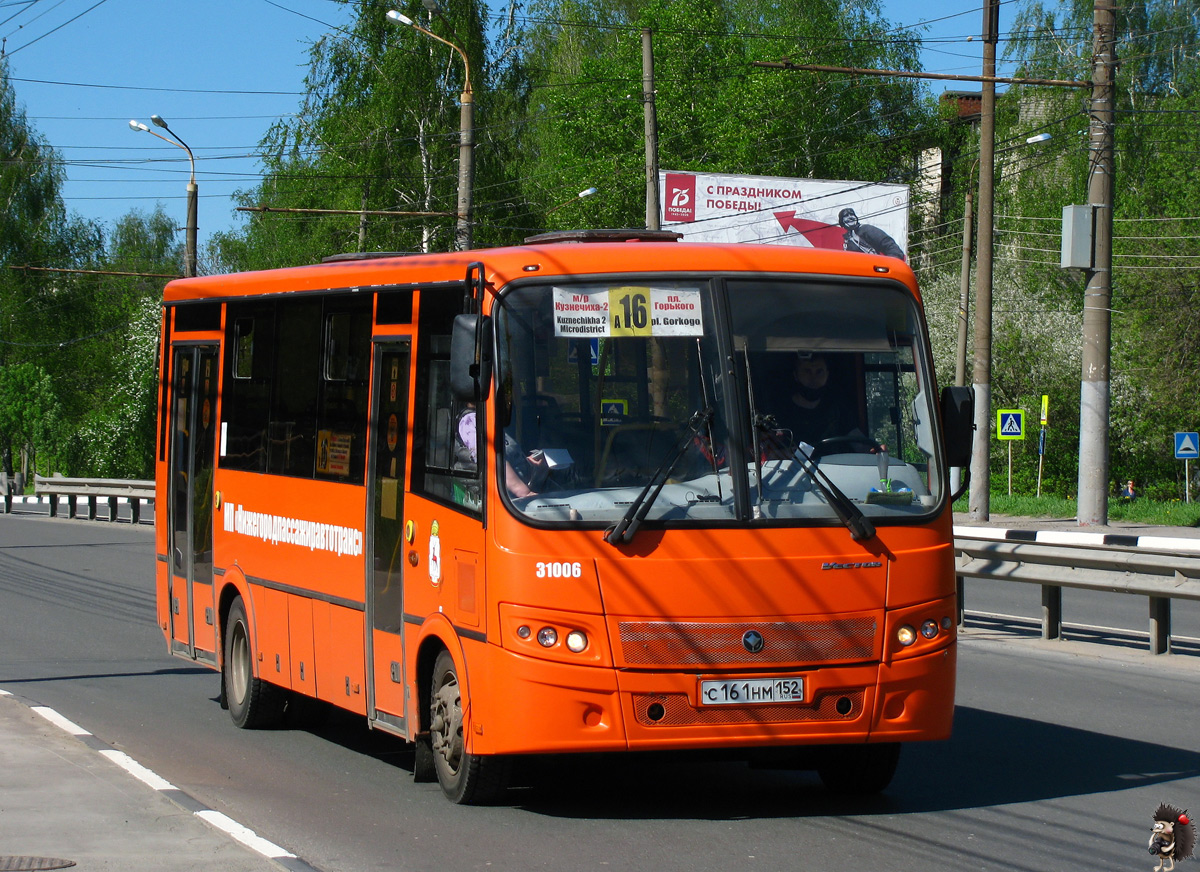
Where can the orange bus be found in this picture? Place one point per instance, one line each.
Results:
(561, 497)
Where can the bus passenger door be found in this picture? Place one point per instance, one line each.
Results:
(385, 571)
(193, 449)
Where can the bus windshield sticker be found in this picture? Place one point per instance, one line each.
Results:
(628, 311)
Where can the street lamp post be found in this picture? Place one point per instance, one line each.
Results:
(466, 135)
(189, 254)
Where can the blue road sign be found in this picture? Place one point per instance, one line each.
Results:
(1187, 445)
(1010, 424)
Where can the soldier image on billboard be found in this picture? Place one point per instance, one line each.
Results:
(866, 238)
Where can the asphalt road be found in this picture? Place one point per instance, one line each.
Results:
(1061, 753)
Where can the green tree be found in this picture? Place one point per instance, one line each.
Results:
(108, 372)
(33, 232)
(1037, 318)
(716, 110)
(30, 414)
(377, 131)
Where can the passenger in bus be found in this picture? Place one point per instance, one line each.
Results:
(521, 471)
(812, 411)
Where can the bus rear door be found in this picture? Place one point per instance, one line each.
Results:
(385, 571)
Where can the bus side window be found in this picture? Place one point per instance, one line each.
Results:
(342, 414)
(443, 468)
(246, 405)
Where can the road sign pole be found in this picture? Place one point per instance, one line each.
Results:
(1041, 451)
(1187, 448)
(1011, 469)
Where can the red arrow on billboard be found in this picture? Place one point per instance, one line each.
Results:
(818, 233)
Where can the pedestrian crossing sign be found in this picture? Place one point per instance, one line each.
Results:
(1010, 424)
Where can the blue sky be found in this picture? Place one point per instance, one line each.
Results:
(220, 72)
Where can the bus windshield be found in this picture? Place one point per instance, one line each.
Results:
(715, 401)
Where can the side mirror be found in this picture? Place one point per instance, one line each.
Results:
(958, 424)
(470, 357)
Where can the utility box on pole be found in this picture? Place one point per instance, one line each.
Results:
(1077, 224)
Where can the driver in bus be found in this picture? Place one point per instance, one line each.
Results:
(813, 411)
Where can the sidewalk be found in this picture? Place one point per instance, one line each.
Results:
(64, 799)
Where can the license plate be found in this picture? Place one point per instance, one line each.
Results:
(749, 691)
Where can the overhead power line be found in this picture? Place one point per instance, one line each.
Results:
(158, 90)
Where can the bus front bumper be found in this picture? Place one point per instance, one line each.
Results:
(538, 706)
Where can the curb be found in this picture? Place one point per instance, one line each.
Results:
(1059, 537)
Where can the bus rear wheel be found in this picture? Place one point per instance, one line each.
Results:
(253, 703)
(859, 770)
(467, 779)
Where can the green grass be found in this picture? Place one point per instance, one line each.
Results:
(1173, 513)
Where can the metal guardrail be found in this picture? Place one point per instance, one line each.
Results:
(90, 490)
(1159, 575)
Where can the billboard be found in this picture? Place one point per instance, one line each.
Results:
(855, 216)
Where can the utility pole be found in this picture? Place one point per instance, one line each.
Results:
(653, 212)
(1094, 395)
(964, 291)
(659, 369)
(981, 480)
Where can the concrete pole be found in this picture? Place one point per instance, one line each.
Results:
(189, 255)
(466, 166)
(964, 291)
(1094, 396)
(981, 480)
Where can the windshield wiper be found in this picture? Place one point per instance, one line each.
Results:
(623, 531)
(848, 513)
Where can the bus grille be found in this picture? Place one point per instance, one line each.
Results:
(677, 711)
(668, 643)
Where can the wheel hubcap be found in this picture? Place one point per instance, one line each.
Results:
(239, 663)
(445, 727)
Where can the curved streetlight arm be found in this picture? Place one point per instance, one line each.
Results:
(466, 136)
(177, 142)
(400, 18)
(189, 256)
(585, 193)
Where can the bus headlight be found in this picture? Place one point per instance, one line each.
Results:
(906, 635)
(576, 641)
(547, 637)
(929, 629)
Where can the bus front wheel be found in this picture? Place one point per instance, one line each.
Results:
(465, 778)
(859, 770)
(253, 703)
